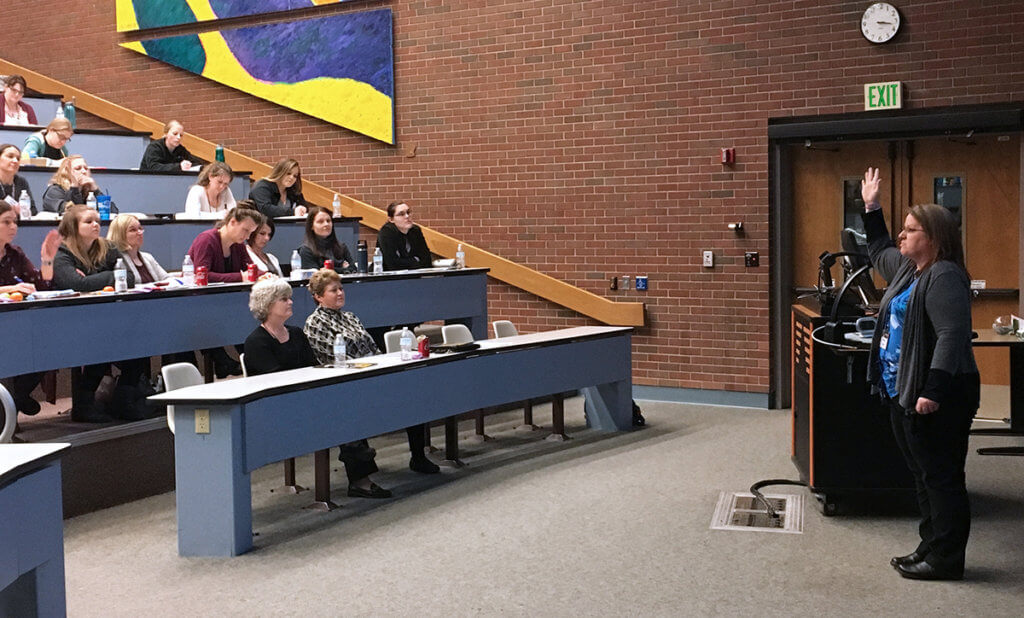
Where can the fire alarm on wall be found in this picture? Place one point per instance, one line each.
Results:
(728, 156)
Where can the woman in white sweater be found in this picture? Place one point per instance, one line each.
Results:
(211, 196)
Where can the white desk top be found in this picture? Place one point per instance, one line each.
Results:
(244, 388)
(14, 457)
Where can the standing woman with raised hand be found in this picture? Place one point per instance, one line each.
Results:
(51, 143)
(167, 154)
(923, 365)
(17, 274)
(211, 196)
(280, 193)
(320, 243)
(72, 183)
(16, 111)
(11, 184)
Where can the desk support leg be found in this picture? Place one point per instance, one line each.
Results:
(610, 406)
(451, 442)
(290, 486)
(322, 482)
(527, 418)
(557, 419)
(428, 447)
(480, 435)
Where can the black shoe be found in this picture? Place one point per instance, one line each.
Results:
(375, 491)
(423, 466)
(230, 367)
(923, 570)
(90, 413)
(910, 558)
(27, 405)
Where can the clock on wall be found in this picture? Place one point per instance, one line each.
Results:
(880, 23)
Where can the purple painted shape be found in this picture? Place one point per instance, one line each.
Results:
(234, 8)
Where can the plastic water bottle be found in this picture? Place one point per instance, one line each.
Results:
(120, 276)
(90, 201)
(336, 205)
(25, 205)
(339, 350)
(188, 271)
(60, 111)
(405, 342)
(378, 261)
(460, 257)
(296, 265)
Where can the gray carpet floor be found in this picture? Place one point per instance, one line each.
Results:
(602, 525)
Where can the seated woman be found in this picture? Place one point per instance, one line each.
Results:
(17, 274)
(327, 322)
(50, 143)
(280, 193)
(16, 112)
(167, 154)
(211, 196)
(401, 241)
(127, 235)
(72, 183)
(11, 184)
(321, 244)
(257, 248)
(276, 346)
(85, 263)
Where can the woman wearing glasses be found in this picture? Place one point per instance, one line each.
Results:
(401, 241)
(72, 183)
(50, 143)
(16, 112)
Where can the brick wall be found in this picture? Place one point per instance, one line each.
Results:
(581, 138)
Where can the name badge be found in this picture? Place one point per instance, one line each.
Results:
(883, 343)
(10, 200)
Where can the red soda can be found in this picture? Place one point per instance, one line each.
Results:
(251, 273)
(202, 275)
(329, 264)
(424, 347)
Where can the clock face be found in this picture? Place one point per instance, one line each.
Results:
(880, 23)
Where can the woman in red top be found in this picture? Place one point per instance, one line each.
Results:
(222, 249)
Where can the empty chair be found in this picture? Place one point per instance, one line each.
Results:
(10, 415)
(392, 341)
(455, 334)
(505, 328)
(179, 375)
(241, 361)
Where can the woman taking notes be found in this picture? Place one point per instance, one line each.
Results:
(222, 249)
(211, 196)
(50, 143)
(922, 363)
(280, 193)
(167, 154)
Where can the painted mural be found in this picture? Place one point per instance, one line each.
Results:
(338, 68)
(142, 14)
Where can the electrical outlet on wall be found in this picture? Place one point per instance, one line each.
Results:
(709, 259)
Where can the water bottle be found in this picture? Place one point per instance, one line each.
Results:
(378, 261)
(188, 271)
(25, 205)
(90, 202)
(120, 276)
(296, 265)
(405, 342)
(69, 112)
(60, 111)
(339, 350)
(218, 153)
(460, 257)
(361, 255)
(336, 205)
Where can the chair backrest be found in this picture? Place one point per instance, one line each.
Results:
(393, 341)
(9, 412)
(454, 334)
(179, 375)
(504, 328)
(241, 361)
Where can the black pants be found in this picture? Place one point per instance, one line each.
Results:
(417, 440)
(21, 387)
(358, 458)
(935, 448)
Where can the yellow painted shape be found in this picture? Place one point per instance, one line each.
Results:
(202, 10)
(126, 20)
(135, 46)
(341, 101)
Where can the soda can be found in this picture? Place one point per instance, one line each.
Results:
(329, 264)
(423, 347)
(202, 275)
(251, 273)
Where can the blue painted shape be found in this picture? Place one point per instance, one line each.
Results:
(185, 51)
(157, 13)
(356, 46)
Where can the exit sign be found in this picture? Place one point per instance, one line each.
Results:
(883, 95)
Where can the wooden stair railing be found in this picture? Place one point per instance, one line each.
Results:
(516, 275)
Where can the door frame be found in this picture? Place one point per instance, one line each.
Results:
(887, 125)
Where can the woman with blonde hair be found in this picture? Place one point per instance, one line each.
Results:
(72, 183)
(50, 143)
(211, 196)
(127, 234)
(167, 154)
(280, 193)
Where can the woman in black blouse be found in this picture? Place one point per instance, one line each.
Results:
(280, 193)
(401, 241)
(276, 346)
(320, 243)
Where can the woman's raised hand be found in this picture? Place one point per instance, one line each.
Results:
(50, 245)
(869, 189)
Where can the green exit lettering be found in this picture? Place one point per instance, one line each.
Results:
(886, 95)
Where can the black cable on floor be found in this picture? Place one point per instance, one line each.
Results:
(754, 489)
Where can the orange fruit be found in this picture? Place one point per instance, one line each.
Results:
(17, 296)
(108, 288)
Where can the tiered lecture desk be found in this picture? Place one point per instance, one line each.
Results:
(120, 149)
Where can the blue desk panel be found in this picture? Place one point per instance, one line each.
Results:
(168, 241)
(44, 107)
(93, 329)
(151, 193)
(120, 149)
